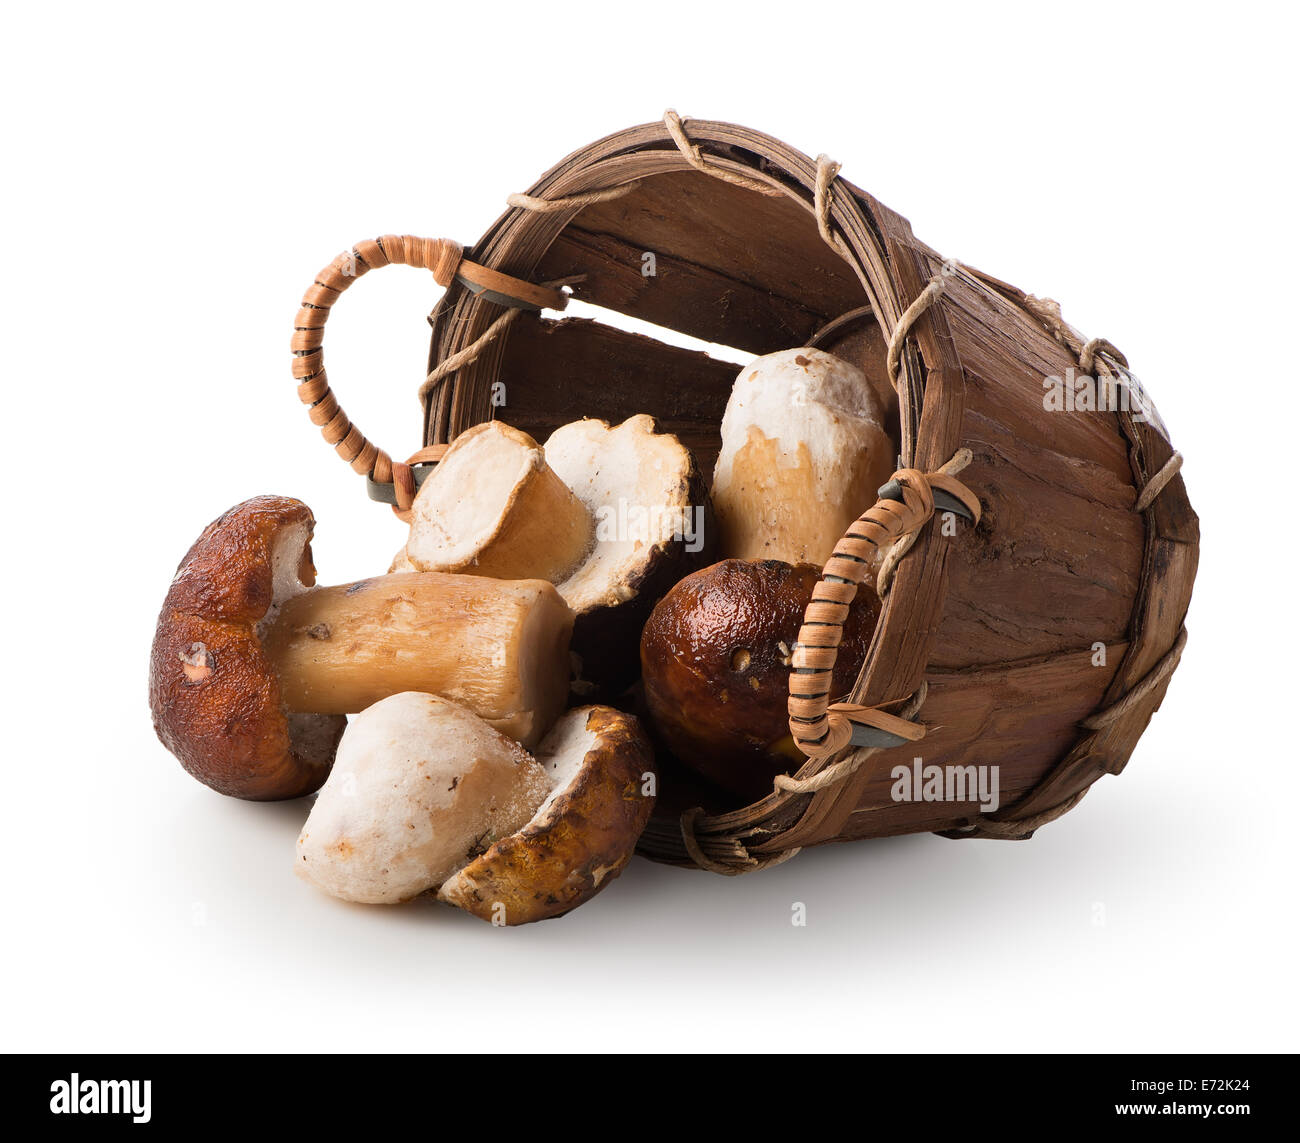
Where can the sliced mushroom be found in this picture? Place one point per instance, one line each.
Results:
(600, 766)
(252, 665)
(493, 507)
(425, 796)
(420, 786)
(652, 526)
(804, 450)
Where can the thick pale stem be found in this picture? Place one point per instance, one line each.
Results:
(803, 452)
(495, 508)
(498, 647)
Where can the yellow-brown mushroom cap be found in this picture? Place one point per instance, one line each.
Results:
(602, 767)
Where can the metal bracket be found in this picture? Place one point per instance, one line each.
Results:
(496, 297)
(386, 494)
(943, 501)
(873, 736)
(509, 291)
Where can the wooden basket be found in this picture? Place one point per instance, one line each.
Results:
(1040, 639)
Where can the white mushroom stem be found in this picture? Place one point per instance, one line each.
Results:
(493, 507)
(499, 648)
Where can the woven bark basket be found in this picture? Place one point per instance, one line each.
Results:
(1039, 640)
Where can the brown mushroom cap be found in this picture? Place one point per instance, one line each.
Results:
(715, 659)
(214, 695)
(581, 836)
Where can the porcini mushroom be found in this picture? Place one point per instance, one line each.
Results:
(715, 660)
(804, 450)
(652, 526)
(494, 507)
(215, 697)
(600, 766)
(252, 664)
(419, 787)
(425, 796)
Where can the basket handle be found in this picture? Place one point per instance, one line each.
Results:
(445, 259)
(906, 503)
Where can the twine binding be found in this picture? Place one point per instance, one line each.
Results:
(1091, 353)
(1159, 482)
(1019, 829)
(1136, 695)
(828, 171)
(692, 154)
(449, 365)
(569, 202)
(747, 863)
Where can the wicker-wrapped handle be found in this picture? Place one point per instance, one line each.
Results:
(820, 729)
(445, 259)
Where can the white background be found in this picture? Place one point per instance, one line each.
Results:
(174, 178)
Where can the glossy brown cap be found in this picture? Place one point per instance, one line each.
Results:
(715, 661)
(213, 693)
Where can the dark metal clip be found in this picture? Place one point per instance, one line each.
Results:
(943, 501)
